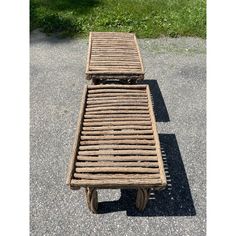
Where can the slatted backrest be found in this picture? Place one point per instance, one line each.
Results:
(114, 55)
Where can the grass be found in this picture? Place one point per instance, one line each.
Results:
(147, 18)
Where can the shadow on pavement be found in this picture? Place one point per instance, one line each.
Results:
(159, 107)
(175, 200)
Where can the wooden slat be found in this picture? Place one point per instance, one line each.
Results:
(117, 119)
(114, 47)
(137, 112)
(116, 147)
(115, 58)
(116, 183)
(116, 115)
(117, 176)
(117, 104)
(112, 137)
(105, 53)
(113, 39)
(116, 99)
(130, 100)
(126, 74)
(116, 91)
(132, 127)
(116, 123)
(107, 86)
(116, 169)
(124, 94)
(113, 69)
(116, 164)
(97, 43)
(100, 142)
(117, 132)
(117, 152)
(112, 108)
(116, 158)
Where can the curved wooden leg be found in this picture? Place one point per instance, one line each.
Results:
(142, 198)
(92, 199)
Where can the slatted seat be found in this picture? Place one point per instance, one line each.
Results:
(116, 143)
(114, 55)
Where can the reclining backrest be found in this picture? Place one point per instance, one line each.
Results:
(114, 56)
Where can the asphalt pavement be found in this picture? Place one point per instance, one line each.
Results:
(176, 72)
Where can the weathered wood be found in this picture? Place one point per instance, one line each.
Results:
(117, 169)
(116, 164)
(100, 142)
(126, 73)
(142, 198)
(128, 58)
(117, 158)
(117, 119)
(136, 127)
(124, 94)
(113, 63)
(156, 137)
(116, 132)
(118, 97)
(116, 176)
(110, 108)
(116, 182)
(116, 137)
(116, 91)
(116, 123)
(92, 199)
(115, 147)
(108, 86)
(89, 54)
(117, 115)
(117, 112)
(117, 152)
(76, 139)
(117, 104)
(122, 47)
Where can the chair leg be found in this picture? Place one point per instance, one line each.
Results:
(142, 198)
(92, 199)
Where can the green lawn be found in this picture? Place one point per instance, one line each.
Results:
(147, 18)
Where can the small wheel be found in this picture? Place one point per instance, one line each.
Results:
(92, 199)
(142, 198)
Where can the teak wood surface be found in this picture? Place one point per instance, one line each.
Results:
(114, 55)
(116, 141)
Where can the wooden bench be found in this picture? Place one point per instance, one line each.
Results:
(116, 143)
(113, 56)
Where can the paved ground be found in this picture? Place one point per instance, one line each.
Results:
(176, 72)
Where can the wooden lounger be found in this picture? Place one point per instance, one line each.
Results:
(114, 56)
(116, 143)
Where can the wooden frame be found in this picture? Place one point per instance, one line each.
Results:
(116, 143)
(114, 55)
